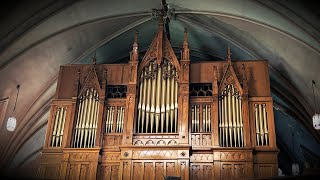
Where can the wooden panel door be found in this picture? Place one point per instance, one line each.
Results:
(203, 171)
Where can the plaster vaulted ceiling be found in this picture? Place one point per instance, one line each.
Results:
(36, 41)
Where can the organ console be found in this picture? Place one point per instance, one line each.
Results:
(161, 117)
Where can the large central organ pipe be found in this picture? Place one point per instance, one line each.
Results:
(153, 93)
(158, 97)
(163, 92)
(168, 99)
(172, 96)
(148, 99)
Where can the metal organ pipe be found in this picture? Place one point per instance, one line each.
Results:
(140, 103)
(158, 85)
(168, 98)
(241, 122)
(158, 101)
(163, 92)
(230, 118)
(153, 94)
(144, 95)
(148, 100)
(172, 96)
(265, 122)
(176, 102)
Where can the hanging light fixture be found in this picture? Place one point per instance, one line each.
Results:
(12, 121)
(316, 116)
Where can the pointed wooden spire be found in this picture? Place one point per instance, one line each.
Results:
(185, 54)
(160, 40)
(160, 47)
(229, 76)
(134, 53)
(94, 58)
(229, 56)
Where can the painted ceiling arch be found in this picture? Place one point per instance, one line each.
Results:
(282, 33)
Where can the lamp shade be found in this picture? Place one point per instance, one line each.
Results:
(11, 123)
(316, 121)
(295, 169)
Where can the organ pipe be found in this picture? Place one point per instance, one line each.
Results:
(230, 118)
(261, 123)
(140, 105)
(153, 94)
(58, 128)
(163, 92)
(87, 118)
(168, 99)
(144, 95)
(158, 99)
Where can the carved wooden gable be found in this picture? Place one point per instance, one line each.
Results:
(90, 81)
(230, 78)
(160, 48)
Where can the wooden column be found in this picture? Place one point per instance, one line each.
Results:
(214, 109)
(183, 99)
(131, 94)
(245, 111)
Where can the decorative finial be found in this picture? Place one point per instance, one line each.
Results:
(185, 40)
(229, 54)
(136, 36)
(135, 43)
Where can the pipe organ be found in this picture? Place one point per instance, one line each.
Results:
(161, 116)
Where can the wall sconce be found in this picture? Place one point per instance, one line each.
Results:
(12, 121)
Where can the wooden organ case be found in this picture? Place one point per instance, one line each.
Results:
(161, 117)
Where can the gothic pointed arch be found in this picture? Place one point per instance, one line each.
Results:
(230, 78)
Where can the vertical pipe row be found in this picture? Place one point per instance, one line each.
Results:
(119, 121)
(204, 124)
(158, 99)
(59, 121)
(230, 118)
(87, 118)
(261, 121)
